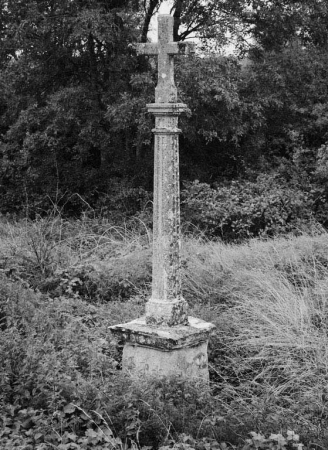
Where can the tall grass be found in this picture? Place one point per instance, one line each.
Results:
(269, 353)
(268, 356)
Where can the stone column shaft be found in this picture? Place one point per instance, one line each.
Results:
(166, 245)
(166, 305)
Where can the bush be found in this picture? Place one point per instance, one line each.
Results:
(57, 369)
(48, 347)
(244, 209)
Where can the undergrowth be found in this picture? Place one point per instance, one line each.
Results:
(63, 283)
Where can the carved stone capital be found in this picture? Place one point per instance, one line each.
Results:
(166, 109)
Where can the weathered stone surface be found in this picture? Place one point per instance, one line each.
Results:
(186, 362)
(166, 305)
(152, 350)
(166, 91)
(165, 338)
(167, 313)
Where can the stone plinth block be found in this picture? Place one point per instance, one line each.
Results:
(165, 351)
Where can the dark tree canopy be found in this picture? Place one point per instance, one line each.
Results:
(73, 93)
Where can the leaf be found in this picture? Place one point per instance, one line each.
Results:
(91, 433)
(69, 409)
(71, 436)
(38, 436)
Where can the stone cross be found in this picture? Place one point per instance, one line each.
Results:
(166, 305)
(165, 49)
(166, 341)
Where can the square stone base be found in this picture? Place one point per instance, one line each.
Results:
(155, 350)
(188, 362)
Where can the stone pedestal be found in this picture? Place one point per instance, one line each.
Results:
(163, 350)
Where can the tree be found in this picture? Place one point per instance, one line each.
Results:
(62, 63)
(275, 25)
(70, 80)
(73, 93)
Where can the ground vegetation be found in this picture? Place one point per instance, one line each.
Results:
(63, 283)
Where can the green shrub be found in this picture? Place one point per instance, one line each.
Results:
(57, 369)
(46, 351)
(244, 209)
(53, 348)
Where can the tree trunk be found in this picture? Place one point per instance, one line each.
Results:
(177, 19)
(150, 11)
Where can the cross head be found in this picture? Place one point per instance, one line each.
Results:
(165, 49)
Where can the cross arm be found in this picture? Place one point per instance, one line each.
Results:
(147, 49)
(181, 48)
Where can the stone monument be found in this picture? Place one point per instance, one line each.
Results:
(166, 341)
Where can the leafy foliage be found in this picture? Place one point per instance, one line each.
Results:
(274, 441)
(59, 79)
(73, 93)
(246, 209)
(275, 25)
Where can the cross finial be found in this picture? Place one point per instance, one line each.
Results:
(166, 91)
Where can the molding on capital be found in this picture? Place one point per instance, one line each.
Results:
(166, 109)
(166, 131)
